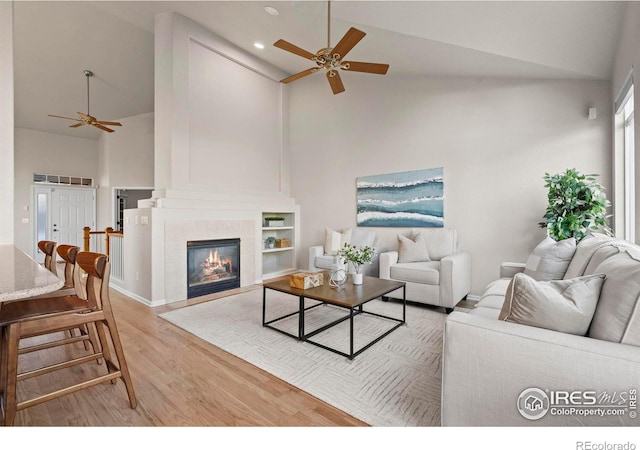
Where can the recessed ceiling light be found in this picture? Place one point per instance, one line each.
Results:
(271, 10)
(258, 45)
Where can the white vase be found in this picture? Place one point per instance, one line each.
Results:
(356, 278)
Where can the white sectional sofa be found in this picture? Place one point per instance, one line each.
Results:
(503, 373)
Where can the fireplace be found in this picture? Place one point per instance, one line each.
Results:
(212, 266)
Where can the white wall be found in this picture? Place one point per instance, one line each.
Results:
(235, 125)
(126, 160)
(495, 139)
(6, 124)
(137, 251)
(48, 153)
(219, 114)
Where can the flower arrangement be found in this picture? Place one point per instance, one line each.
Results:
(577, 204)
(356, 255)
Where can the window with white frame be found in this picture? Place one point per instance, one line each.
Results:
(627, 178)
(629, 171)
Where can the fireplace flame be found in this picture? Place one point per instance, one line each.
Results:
(214, 261)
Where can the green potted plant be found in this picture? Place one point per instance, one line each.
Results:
(270, 242)
(274, 221)
(357, 256)
(577, 205)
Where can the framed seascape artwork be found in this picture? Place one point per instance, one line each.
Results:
(403, 199)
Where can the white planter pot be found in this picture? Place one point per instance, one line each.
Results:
(356, 278)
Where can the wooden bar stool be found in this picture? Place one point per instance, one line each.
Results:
(68, 254)
(87, 334)
(49, 250)
(35, 317)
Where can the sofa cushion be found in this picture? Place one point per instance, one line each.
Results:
(561, 305)
(493, 295)
(417, 272)
(584, 251)
(412, 249)
(550, 259)
(334, 240)
(598, 258)
(489, 313)
(325, 261)
(616, 318)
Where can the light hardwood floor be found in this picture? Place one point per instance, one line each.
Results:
(179, 379)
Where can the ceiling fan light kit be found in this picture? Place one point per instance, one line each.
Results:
(88, 119)
(331, 59)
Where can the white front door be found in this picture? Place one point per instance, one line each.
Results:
(62, 214)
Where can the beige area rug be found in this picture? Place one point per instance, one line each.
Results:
(395, 382)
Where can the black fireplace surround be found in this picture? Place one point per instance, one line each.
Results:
(212, 266)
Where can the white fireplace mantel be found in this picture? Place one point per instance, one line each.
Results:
(156, 239)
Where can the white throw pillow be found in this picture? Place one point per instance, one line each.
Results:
(412, 250)
(334, 240)
(567, 306)
(550, 259)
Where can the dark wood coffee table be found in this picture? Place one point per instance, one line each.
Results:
(350, 297)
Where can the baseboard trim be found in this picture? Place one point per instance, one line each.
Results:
(136, 297)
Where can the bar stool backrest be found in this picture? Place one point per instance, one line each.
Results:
(49, 250)
(98, 269)
(68, 253)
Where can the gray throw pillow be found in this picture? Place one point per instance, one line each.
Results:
(560, 305)
(550, 259)
(412, 250)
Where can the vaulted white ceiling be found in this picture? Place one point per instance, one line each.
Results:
(55, 41)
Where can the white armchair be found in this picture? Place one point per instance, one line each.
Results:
(441, 279)
(322, 257)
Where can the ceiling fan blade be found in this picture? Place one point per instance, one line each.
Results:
(97, 125)
(348, 41)
(335, 82)
(355, 66)
(102, 122)
(297, 76)
(284, 45)
(76, 125)
(62, 117)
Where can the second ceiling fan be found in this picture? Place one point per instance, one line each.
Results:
(88, 119)
(331, 59)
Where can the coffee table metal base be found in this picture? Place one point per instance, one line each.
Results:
(353, 312)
